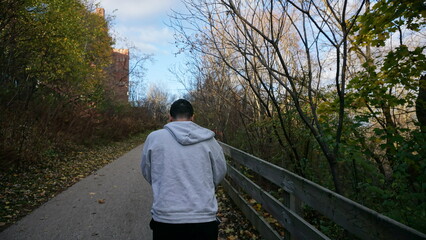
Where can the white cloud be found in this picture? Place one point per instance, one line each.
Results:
(138, 9)
(149, 39)
(148, 33)
(146, 47)
(140, 23)
(151, 34)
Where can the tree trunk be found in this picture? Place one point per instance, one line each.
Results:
(390, 133)
(421, 104)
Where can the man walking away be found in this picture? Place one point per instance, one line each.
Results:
(183, 163)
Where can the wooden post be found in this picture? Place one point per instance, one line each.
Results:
(294, 204)
(287, 203)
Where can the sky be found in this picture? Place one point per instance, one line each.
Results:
(142, 23)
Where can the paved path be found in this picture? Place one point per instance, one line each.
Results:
(77, 214)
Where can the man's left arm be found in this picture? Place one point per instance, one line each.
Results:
(218, 163)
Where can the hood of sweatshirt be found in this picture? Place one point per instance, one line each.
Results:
(187, 132)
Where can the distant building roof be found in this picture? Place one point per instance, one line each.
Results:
(100, 12)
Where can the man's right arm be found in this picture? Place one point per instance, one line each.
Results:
(146, 161)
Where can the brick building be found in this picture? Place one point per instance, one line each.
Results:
(100, 12)
(119, 75)
(118, 82)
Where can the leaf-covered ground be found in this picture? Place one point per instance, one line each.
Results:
(234, 225)
(24, 189)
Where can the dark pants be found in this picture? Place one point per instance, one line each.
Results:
(187, 231)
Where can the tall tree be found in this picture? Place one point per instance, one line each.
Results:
(52, 60)
(256, 33)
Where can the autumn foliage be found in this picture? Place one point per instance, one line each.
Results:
(53, 61)
(331, 90)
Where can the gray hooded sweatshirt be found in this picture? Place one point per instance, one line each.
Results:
(183, 163)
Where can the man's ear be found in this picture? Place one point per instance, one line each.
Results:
(192, 118)
(170, 118)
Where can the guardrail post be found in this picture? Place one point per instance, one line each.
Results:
(294, 204)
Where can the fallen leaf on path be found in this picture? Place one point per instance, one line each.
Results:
(101, 201)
